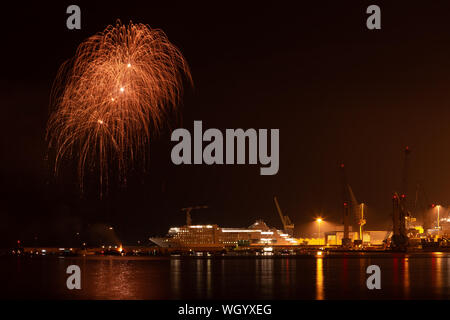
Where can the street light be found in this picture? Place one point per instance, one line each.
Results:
(319, 220)
(438, 207)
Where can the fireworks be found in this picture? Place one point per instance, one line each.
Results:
(116, 93)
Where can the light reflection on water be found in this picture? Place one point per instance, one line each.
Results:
(112, 279)
(439, 275)
(406, 276)
(403, 276)
(199, 275)
(208, 279)
(319, 279)
(175, 271)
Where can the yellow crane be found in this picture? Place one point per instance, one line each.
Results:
(288, 226)
(362, 222)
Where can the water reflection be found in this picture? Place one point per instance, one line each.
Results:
(437, 257)
(406, 284)
(222, 276)
(199, 275)
(362, 270)
(344, 275)
(112, 280)
(264, 276)
(175, 275)
(287, 271)
(208, 278)
(395, 272)
(319, 279)
(404, 276)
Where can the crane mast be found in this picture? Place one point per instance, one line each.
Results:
(400, 210)
(346, 241)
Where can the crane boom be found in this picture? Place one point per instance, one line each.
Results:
(279, 212)
(288, 226)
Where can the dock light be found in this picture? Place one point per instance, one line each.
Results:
(438, 207)
(319, 221)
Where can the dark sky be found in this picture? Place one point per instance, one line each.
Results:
(337, 92)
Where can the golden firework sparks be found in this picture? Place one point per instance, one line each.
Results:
(113, 96)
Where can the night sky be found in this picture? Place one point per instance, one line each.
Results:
(336, 90)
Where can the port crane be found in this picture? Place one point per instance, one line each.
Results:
(358, 212)
(288, 226)
(346, 241)
(188, 213)
(400, 211)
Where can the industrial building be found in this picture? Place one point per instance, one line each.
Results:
(369, 238)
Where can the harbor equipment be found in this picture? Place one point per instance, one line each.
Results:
(288, 226)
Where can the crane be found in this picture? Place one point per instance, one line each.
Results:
(188, 213)
(288, 226)
(399, 237)
(400, 211)
(346, 241)
(404, 189)
(358, 211)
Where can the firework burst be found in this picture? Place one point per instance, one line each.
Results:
(113, 96)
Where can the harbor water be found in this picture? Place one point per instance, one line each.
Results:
(403, 276)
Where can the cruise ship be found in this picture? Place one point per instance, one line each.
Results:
(195, 236)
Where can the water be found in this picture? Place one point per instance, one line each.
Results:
(403, 276)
